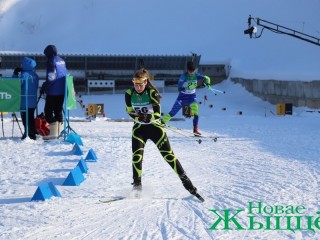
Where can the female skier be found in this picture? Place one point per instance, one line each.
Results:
(143, 105)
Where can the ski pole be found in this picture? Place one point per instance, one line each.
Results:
(176, 128)
(214, 138)
(180, 131)
(183, 134)
(214, 90)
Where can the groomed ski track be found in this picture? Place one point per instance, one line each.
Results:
(251, 165)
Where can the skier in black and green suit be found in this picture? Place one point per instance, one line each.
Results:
(143, 105)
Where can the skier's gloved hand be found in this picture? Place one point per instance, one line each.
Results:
(181, 89)
(17, 70)
(207, 81)
(162, 123)
(144, 118)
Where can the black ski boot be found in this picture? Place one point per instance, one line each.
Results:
(137, 188)
(188, 184)
(137, 184)
(24, 136)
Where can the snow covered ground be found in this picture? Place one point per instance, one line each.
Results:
(260, 157)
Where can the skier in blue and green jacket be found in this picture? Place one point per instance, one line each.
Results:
(187, 99)
(143, 106)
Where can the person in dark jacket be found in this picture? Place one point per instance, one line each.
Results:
(28, 78)
(54, 87)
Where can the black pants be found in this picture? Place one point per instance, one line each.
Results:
(140, 135)
(31, 123)
(53, 108)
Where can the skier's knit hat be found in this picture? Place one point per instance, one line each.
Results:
(28, 64)
(190, 66)
(50, 51)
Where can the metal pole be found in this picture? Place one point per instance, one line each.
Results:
(27, 108)
(2, 124)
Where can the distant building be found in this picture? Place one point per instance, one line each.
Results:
(116, 67)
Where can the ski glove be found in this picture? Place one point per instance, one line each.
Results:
(144, 118)
(181, 89)
(42, 91)
(17, 70)
(207, 81)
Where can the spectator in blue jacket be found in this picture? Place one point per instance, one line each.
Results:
(28, 77)
(54, 87)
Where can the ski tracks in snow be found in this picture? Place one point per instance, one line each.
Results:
(228, 173)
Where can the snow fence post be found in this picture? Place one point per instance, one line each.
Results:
(45, 191)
